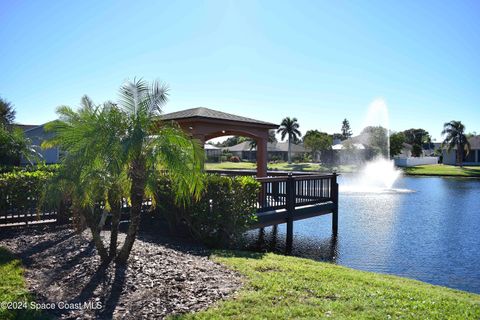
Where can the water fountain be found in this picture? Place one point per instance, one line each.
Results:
(377, 175)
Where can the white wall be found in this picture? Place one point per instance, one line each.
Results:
(412, 161)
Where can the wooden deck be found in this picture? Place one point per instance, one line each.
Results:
(288, 197)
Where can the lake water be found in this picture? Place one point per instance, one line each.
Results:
(429, 230)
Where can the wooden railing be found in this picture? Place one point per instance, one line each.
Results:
(301, 190)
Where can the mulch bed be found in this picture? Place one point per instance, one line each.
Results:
(164, 276)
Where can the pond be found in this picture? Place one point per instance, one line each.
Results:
(427, 229)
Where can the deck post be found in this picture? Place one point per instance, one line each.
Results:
(334, 195)
(290, 211)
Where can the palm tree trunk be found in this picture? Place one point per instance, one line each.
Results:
(137, 192)
(116, 210)
(289, 149)
(97, 239)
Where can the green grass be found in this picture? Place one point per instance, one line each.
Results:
(13, 289)
(444, 170)
(281, 166)
(281, 287)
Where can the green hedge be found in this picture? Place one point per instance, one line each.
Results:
(226, 208)
(20, 190)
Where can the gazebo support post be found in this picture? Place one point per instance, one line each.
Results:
(262, 156)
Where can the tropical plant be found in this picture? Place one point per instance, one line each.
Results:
(346, 131)
(456, 138)
(14, 145)
(289, 127)
(7, 113)
(114, 147)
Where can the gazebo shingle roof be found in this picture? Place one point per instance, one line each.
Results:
(211, 114)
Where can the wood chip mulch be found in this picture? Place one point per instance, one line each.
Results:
(162, 278)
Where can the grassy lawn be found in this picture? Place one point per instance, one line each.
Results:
(281, 166)
(280, 287)
(444, 170)
(12, 288)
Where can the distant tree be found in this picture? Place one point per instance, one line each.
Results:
(417, 138)
(416, 150)
(396, 143)
(231, 141)
(346, 131)
(377, 139)
(13, 143)
(337, 136)
(7, 112)
(289, 127)
(455, 137)
(317, 141)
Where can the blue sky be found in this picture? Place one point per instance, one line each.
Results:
(318, 61)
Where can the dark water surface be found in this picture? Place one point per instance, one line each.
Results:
(431, 234)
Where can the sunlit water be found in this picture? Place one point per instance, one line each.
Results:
(425, 228)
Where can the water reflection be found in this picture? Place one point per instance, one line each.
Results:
(272, 239)
(430, 234)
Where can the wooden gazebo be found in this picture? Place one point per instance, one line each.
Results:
(205, 124)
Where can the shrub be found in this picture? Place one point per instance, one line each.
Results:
(224, 211)
(21, 190)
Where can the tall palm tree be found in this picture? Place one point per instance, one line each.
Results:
(127, 139)
(455, 137)
(289, 126)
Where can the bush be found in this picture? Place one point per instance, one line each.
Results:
(226, 208)
(234, 159)
(21, 190)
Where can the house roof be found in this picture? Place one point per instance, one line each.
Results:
(24, 127)
(474, 142)
(208, 146)
(212, 114)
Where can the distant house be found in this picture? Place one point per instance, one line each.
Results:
(212, 153)
(37, 135)
(429, 149)
(275, 151)
(472, 158)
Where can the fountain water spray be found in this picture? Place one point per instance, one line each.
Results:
(377, 175)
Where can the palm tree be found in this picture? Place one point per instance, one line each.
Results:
(125, 142)
(455, 137)
(7, 112)
(290, 127)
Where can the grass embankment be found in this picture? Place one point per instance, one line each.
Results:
(281, 166)
(281, 287)
(444, 170)
(13, 289)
